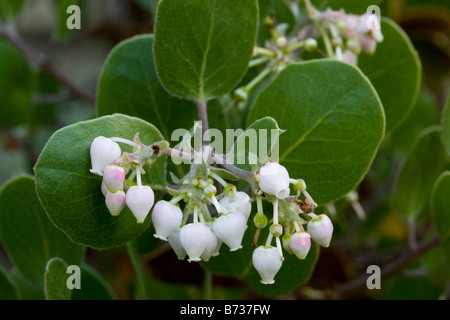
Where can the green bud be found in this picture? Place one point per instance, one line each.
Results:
(260, 220)
(276, 230)
(310, 44)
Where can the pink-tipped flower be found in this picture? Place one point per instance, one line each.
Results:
(300, 243)
(321, 230)
(240, 203)
(115, 202)
(368, 45)
(230, 228)
(175, 244)
(140, 200)
(267, 262)
(114, 177)
(194, 238)
(166, 218)
(274, 180)
(103, 152)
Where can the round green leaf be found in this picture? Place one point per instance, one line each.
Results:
(16, 86)
(27, 234)
(440, 208)
(55, 280)
(419, 172)
(203, 47)
(334, 123)
(395, 72)
(71, 195)
(129, 84)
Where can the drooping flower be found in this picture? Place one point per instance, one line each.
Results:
(240, 203)
(114, 177)
(194, 238)
(115, 202)
(267, 262)
(140, 200)
(103, 151)
(211, 246)
(300, 243)
(321, 230)
(274, 180)
(230, 228)
(166, 218)
(175, 244)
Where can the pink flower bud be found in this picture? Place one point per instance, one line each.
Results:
(321, 230)
(103, 152)
(240, 203)
(274, 180)
(115, 202)
(175, 244)
(230, 228)
(267, 262)
(368, 45)
(194, 238)
(166, 218)
(114, 177)
(300, 243)
(140, 200)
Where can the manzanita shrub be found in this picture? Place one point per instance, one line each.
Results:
(236, 135)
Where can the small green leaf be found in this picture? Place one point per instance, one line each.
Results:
(200, 43)
(440, 206)
(27, 234)
(334, 123)
(395, 72)
(72, 195)
(419, 172)
(446, 125)
(129, 84)
(56, 280)
(8, 290)
(16, 86)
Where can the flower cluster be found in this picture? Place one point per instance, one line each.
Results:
(290, 214)
(108, 160)
(351, 34)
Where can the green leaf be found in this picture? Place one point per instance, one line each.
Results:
(261, 138)
(16, 86)
(8, 290)
(202, 43)
(93, 286)
(27, 234)
(56, 280)
(72, 196)
(334, 123)
(129, 84)
(446, 125)
(419, 172)
(395, 71)
(440, 208)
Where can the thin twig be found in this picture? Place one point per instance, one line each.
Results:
(10, 33)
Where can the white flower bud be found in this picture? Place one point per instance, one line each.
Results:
(166, 218)
(175, 244)
(300, 243)
(211, 246)
(369, 45)
(241, 203)
(103, 152)
(104, 189)
(267, 262)
(114, 177)
(115, 202)
(274, 180)
(194, 238)
(321, 230)
(230, 228)
(140, 200)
